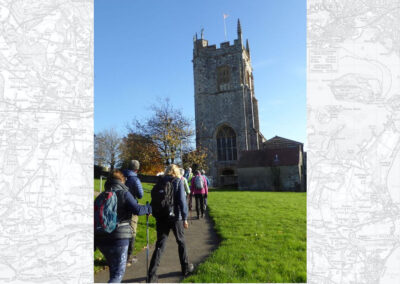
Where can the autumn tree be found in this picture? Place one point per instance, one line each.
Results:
(168, 129)
(196, 159)
(135, 146)
(106, 148)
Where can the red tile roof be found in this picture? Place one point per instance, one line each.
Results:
(280, 142)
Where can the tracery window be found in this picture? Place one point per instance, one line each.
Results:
(226, 144)
(223, 77)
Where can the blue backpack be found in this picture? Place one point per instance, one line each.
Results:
(105, 212)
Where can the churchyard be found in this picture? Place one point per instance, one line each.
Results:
(263, 237)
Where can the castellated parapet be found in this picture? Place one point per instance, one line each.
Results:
(226, 109)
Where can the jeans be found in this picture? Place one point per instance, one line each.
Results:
(199, 204)
(116, 259)
(163, 228)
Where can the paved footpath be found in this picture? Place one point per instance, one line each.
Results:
(201, 240)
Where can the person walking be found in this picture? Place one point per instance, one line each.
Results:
(185, 183)
(189, 176)
(199, 188)
(203, 173)
(175, 220)
(188, 172)
(114, 245)
(136, 189)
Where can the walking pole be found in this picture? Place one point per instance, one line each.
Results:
(147, 246)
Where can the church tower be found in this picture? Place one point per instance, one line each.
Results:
(226, 109)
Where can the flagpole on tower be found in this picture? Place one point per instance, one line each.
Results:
(225, 16)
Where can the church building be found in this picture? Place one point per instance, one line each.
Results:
(226, 109)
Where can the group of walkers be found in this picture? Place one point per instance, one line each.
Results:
(116, 212)
(199, 189)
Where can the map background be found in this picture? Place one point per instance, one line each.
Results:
(46, 146)
(353, 101)
(46, 141)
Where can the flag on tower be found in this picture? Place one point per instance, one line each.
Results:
(225, 16)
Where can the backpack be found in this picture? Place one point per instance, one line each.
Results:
(198, 182)
(162, 199)
(105, 212)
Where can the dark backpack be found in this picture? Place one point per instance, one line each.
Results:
(105, 212)
(162, 199)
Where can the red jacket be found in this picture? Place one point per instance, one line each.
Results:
(193, 189)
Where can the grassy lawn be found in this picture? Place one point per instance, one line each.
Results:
(263, 238)
(97, 184)
(140, 243)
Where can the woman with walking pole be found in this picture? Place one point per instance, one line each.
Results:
(113, 242)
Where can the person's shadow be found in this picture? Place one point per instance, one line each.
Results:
(160, 277)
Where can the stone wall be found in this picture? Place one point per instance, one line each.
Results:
(261, 178)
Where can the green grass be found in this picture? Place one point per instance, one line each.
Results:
(140, 243)
(263, 238)
(97, 184)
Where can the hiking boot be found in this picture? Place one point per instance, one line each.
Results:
(130, 261)
(188, 269)
(152, 279)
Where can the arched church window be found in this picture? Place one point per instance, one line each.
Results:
(226, 144)
(223, 77)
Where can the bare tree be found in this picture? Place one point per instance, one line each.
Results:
(168, 129)
(106, 147)
(98, 152)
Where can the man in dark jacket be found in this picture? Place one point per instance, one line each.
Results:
(176, 222)
(135, 188)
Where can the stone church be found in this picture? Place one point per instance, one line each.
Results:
(226, 111)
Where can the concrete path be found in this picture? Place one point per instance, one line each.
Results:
(201, 240)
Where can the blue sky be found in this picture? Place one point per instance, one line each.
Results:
(143, 52)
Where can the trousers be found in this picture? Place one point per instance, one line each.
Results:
(163, 228)
(116, 257)
(199, 204)
(134, 222)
